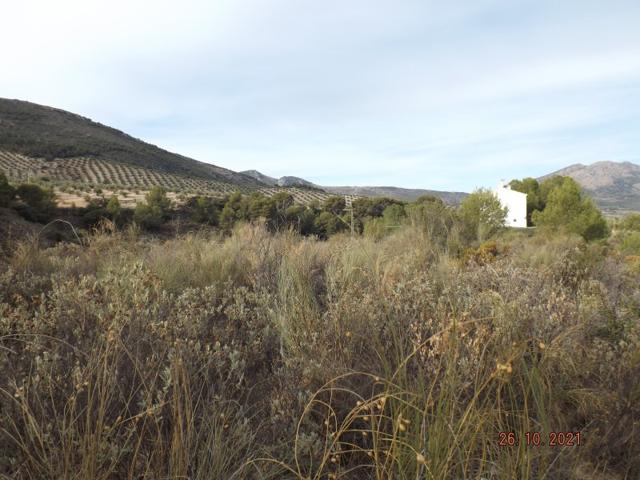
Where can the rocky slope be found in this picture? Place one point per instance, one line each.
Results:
(614, 186)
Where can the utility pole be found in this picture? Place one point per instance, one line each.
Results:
(350, 208)
(349, 204)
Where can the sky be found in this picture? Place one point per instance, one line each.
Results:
(445, 95)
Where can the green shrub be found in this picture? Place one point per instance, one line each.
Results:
(365, 209)
(393, 217)
(99, 209)
(630, 244)
(567, 208)
(301, 219)
(7, 192)
(631, 222)
(327, 224)
(37, 204)
(113, 208)
(482, 216)
(278, 206)
(205, 210)
(155, 211)
(94, 211)
(435, 218)
(335, 204)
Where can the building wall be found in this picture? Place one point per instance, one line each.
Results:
(516, 204)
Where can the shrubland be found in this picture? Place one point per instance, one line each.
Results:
(31, 201)
(262, 355)
(255, 351)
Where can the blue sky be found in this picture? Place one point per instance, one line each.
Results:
(425, 94)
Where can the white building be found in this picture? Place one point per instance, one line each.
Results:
(516, 204)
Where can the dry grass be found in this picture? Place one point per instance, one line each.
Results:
(275, 356)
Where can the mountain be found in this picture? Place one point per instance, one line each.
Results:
(43, 142)
(261, 177)
(614, 186)
(49, 134)
(404, 194)
(279, 182)
(37, 141)
(296, 182)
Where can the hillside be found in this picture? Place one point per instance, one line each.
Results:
(614, 186)
(287, 181)
(404, 194)
(49, 134)
(39, 142)
(261, 177)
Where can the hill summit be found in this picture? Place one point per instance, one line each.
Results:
(615, 186)
(287, 181)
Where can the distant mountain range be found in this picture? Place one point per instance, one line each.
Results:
(405, 194)
(43, 142)
(614, 186)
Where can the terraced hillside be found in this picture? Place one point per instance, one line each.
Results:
(76, 178)
(129, 198)
(51, 134)
(92, 171)
(80, 158)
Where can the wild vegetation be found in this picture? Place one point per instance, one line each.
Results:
(255, 348)
(31, 201)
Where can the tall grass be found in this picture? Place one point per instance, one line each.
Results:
(274, 356)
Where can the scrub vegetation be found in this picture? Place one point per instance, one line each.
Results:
(273, 341)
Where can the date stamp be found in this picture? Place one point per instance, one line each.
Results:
(538, 439)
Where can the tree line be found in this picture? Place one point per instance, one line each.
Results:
(559, 202)
(556, 203)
